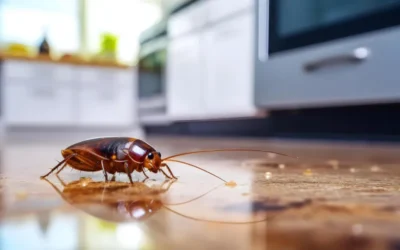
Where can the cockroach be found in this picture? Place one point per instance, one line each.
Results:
(121, 202)
(124, 155)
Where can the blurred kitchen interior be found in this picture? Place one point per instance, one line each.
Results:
(256, 68)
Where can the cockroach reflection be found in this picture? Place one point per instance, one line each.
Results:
(125, 155)
(122, 202)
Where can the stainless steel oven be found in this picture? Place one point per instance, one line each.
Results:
(151, 74)
(296, 24)
(326, 52)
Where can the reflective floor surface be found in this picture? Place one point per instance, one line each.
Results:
(334, 196)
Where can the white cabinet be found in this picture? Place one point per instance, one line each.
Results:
(30, 97)
(52, 94)
(210, 68)
(224, 9)
(33, 103)
(185, 77)
(106, 98)
(229, 82)
(192, 18)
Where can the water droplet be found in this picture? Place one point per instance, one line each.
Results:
(271, 155)
(281, 166)
(352, 170)
(268, 175)
(230, 184)
(307, 172)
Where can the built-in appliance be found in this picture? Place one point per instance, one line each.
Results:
(151, 74)
(326, 52)
(302, 23)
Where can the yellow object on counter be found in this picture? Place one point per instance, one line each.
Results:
(18, 49)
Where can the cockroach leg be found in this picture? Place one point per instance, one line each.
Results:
(168, 186)
(145, 175)
(58, 165)
(61, 181)
(104, 171)
(162, 171)
(127, 172)
(162, 185)
(55, 187)
(169, 170)
(65, 164)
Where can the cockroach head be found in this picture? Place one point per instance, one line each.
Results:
(153, 161)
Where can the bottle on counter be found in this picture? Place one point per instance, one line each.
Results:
(44, 47)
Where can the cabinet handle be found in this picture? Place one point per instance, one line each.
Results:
(356, 56)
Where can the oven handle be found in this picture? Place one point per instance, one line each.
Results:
(356, 56)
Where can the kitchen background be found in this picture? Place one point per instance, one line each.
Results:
(278, 68)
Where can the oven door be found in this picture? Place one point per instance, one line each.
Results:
(320, 53)
(297, 24)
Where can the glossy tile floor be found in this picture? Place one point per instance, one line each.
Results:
(335, 196)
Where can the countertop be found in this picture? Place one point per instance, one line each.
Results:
(333, 196)
(68, 61)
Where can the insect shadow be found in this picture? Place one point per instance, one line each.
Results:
(121, 201)
(113, 155)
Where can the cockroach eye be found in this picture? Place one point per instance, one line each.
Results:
(150, 156)
(159, 154)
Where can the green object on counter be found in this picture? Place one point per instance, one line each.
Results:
(109, 44)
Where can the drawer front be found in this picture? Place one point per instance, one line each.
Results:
(187, 20)
(51, 73)
(106, 104)
(34, 103)
(15, 69)
(106, 97)
(335, 75)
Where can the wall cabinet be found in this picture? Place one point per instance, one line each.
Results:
(47, 94)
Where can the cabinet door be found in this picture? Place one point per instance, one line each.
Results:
(185, 77)
(32, 96)
(188, 20)
(106, 97)
(37, 103)
(229, 84)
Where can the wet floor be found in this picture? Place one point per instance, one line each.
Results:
(335, 196)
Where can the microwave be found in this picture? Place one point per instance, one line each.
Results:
(151, 74)
(320, 53)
